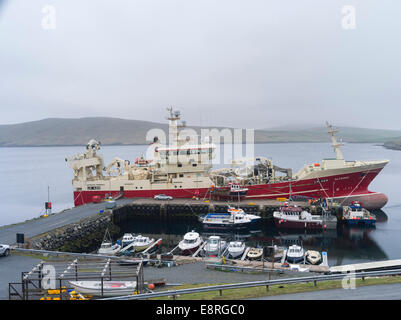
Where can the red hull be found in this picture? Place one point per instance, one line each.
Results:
(281, 223)
(344, 188)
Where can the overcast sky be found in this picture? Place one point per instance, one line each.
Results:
(248, 63)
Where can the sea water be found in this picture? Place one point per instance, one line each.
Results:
(27, 174)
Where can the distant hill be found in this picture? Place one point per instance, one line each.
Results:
(114, 131)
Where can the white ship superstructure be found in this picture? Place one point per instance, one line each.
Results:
(179, 169)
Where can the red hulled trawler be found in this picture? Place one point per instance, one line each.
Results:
(184, 170)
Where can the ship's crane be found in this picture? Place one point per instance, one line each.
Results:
(115, 166)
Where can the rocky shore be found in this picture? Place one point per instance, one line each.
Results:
(395, 144)
(83, 236)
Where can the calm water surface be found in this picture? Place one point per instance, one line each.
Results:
(27, 172)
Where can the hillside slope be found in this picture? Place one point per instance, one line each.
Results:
(114, 131)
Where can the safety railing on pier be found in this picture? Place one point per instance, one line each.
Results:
(267, 283)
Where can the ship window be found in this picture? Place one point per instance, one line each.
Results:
(194, 164)
(181, 175)
(179, 165)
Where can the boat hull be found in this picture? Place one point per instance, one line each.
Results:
(110, 288)
(294, 259)
(189, 251)
(236, 254)
(288, 224)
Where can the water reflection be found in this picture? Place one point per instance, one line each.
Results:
(344, 245)
(381, 216)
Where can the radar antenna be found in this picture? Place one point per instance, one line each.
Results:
(336, 145)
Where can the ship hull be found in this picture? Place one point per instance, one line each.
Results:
(288, 224)
(343, 187)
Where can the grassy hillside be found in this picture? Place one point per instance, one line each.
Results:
(113, 131)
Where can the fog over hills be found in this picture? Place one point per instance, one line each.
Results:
(114, 131)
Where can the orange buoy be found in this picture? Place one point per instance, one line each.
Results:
(151, 286)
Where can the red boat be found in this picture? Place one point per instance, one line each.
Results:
(293, 217)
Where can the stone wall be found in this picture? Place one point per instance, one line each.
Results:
(84, 236)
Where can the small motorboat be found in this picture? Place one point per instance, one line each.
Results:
(313, 257)
(232, 219)
(107, 247)
(141, 243)
(191, 242)
(255, 253)
(236, 248)
(215, 246)
(356, 214)
(274, 253)
(110, 288)
(295, 254)
(293, 217)
(127, 239)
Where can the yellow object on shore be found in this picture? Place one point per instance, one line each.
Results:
(281, 199)
(252, 203)
(207, 201)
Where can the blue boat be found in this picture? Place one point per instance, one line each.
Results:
(356, 214)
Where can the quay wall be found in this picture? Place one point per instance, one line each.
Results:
(87, 234)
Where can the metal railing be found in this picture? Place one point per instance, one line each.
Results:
(266, 283)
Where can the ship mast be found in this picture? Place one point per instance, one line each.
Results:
(174, 126)
(336, 145)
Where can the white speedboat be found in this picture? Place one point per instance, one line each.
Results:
(251, 217)
(236, 249)
(255, 253)
(295, 254)
(110, 288)
(215, 246)
(233, 218)
(127, 239)
(313, 257)
(107, 247)
(141, 243)
(191, 242)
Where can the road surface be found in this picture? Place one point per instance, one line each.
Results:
(375, 292)
(32, 228)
